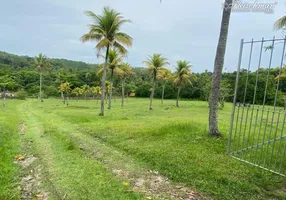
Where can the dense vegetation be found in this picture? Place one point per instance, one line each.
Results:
(19, 73)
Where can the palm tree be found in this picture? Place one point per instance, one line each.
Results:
(114, 61)
(155, 64)
(280, 23)
(96, 91)
(126, 72)
(106, 32)
(165, 75)
(77, 92)
(218, 66)
(86, 90)
(65, 88)
(42, 64)
(182, 76)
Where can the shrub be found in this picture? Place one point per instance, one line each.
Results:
(21, 95)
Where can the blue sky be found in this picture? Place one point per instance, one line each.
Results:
(178, 29)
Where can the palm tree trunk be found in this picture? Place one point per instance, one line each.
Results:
(4, 96)
(67, 99)
(178, 96)
(122, 94)
(41, 86)
(103, 83)
(163, 93)
(284, 101)
(62, 95)
(218, 66)
(110, 93)
(152, 94)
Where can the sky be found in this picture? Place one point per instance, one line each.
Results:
(177, 29)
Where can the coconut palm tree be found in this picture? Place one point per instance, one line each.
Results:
(96, 91)
(114, 61)
(164, 75)
(42, 64)
(77, 92)
(280, 23)
(218, 67)
(155, 64)
(65, 88)
(106, 32)
(182, 76)
(86, 89)
(126, 72)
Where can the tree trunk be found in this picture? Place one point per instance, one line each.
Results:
(110, 93)
(152, 94)
(62, 95)
(178, 96)
(218, 67)
(122, 94)
(41, 99)
(103, 83)
(163, 93)
(67, 99)
(285, 102)
(4, 97)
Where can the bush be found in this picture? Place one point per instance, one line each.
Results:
(143, 90)
(21, 95)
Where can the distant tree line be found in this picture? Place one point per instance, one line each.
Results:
(20, 74)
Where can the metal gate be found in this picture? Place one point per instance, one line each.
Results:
(257, 135)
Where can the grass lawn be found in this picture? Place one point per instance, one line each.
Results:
(170, 140)
(9, 148)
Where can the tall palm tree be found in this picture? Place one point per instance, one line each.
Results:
(182, 76)
(126, 72)
(280, 23)
(218, 67)
(106, 32)
(42, 64)
(164, 75)
(155, 64)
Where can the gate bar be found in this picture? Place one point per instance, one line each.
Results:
(235, 95)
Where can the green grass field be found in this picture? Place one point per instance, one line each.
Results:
(79, 151)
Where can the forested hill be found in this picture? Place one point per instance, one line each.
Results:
(15, 62)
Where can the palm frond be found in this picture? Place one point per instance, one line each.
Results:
(280, 23)
(120, 48)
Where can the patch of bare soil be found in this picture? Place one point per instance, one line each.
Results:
(157, 186)
(22, 128)
(30, 183)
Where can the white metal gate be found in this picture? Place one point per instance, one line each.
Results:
(257, 135)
